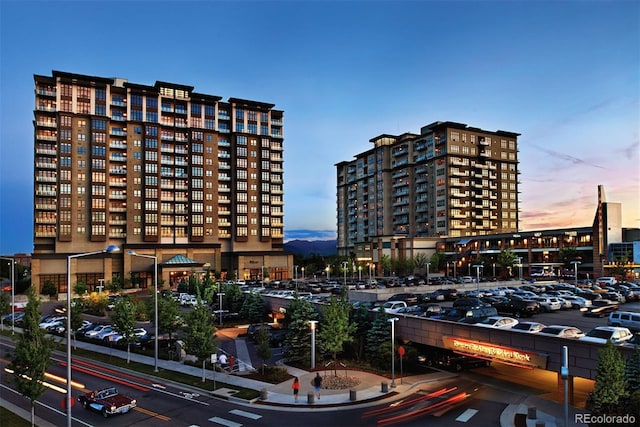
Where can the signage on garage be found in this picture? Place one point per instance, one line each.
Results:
(496, 353)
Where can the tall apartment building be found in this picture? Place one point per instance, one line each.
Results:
(159, 170)
(451, 180)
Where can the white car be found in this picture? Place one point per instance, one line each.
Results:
(576, 301)
(531, 327)
(561, 331)
(602, 334)
(548, 303)
(93, 333)
(391, 307)
(498, 322)
(52, 322)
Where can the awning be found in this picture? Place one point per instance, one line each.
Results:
(464, 241)
(181, 260)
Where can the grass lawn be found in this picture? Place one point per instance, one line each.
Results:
(10, 419)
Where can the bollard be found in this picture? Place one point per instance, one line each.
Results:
(263, 394)
(384, 387)
(532, 413)
(310, 397)
(352, 395)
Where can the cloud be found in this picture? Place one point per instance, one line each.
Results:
(558, 155)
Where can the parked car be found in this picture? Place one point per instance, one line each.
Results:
(577, 302)
(469, 302)
(406, 297)
(626, 319)
(498, 322)
(107, 402)
(391, 307)
(93, 333)
(600, 308)
(602, 334)
(467, 314)
(548, 304)
(516, 306)
(562, 331)
(254, 329)
(532, 327)
(412, 310)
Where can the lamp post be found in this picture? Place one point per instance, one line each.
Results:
(303, 276)
(478, 267)
(327, 270)
(428, 267)
(109, 249)
(454, 269)
(295, 276)
(155, 304)
(370, 274)
(393, 350)
(494, 269)
(312, 324)
(575, 271)
(447, 271)
(344, 269)
(13, 293)
(262, 276)
(359, 273)
(519, 265)
(220, 295)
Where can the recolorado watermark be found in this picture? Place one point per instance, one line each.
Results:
(605, 419)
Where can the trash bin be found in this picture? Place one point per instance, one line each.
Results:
(310, 397)
(263, 394)
(352, 395)
(384, 387)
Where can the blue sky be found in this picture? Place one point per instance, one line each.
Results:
(563, 74)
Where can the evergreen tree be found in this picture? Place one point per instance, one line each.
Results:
(253, 308)
(200, 333)
(32, 354)
(298, 338)
(124, 321)
(263, 350)
(506, 259)
(378, 336)
(336, 329)
(360, 318)
(610, 385)
(5, 306)
(632, 371)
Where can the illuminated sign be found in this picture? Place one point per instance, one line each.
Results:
(510, 356)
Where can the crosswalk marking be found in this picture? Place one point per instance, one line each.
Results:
(246, 414)
(224, 422)
(466, 415)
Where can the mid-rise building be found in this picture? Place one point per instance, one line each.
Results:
(451, 180)
(158, 170)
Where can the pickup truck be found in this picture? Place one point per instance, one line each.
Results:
(107, 402)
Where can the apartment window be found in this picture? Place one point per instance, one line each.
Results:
(101, 94)
(241, 231)
(241, 174)
(136, 100)
(252, 128)
(209, 110)
(239, 127)
(136, 115)
(241, 140)
(101, 110)
(240, 114)
(152, 102)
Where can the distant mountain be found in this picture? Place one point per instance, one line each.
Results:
(308, 247)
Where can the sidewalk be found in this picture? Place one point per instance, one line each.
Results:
(372, 389)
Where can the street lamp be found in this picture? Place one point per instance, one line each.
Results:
(519, 265)
(303, 276)
(447, 271)
(478, 267)
(312, 324)
(393, 350)
(155, 303)
(575, 270)
(327, 270)
(109, 249)
(295, 276)
(494, 270)
(262, 275)
(13, 293)
(344, 269)
(359, 273)
(220, 295)
(428, 266)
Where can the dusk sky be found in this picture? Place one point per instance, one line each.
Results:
(565, 75)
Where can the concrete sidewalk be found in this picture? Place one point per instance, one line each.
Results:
(371, 389)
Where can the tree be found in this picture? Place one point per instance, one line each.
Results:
(420, 261)
(438, 261)
(568, 254)
(76, 318)
(114, 285)
(80, 288)
(124, 321)
(200, 338)
(506, 259)
(610, 385)
(385, 261)
(5, 307)
(632, 372)
(336, 329)
(168, 312)
(298, 338)
(263, 350)
(32, 354)
(49, 288)
(378, 337)
(360, 318)
(253, 308)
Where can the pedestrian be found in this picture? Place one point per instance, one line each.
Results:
(317, 384)
(223, 361)
(296, 388)
(231, 362)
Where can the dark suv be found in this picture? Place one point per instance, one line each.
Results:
(516, 306)
(409, 298)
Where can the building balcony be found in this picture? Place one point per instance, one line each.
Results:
(47, 137)
(223, 189)
(115, 158)
(46, 220)
(49, 109)
(117, 132)
(45, 234)
(44, 92)
(118, 195)
(42, 165)
(47, 123)
(117, 184)
(118, 145)
(118, 222)
(46, 151)
(224, 200)
(118, 118)
(277, 213)
(46, 206)
(224, 177)
(46, 179)
(116, 103)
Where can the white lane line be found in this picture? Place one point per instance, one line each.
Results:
(245, 414)
(224, 422)
(466, 415)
